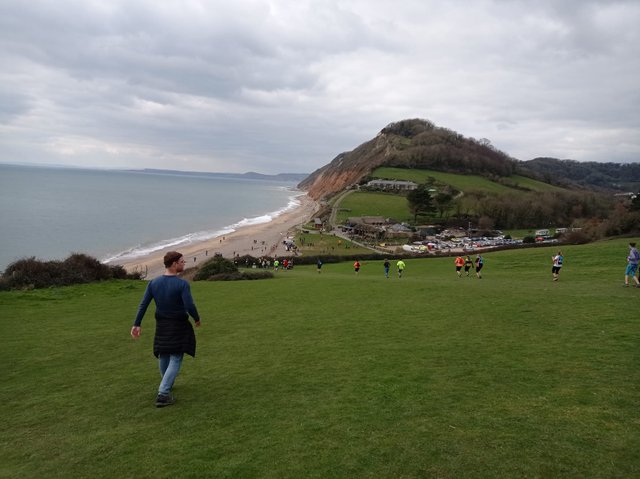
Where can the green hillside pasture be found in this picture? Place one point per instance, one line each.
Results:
(337, 375)
(459, 182)
(464, 182)
(363, 203)
(533, 185)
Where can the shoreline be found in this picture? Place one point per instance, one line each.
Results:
(263, 239)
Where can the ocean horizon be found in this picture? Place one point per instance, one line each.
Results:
(119, 215)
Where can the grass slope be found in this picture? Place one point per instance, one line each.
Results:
(337, 375)
(364, 203)
(463, 182)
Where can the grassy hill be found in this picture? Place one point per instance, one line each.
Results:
(336, 375)
(388, 205)
(464, 182)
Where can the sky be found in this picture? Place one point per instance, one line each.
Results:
(286, 85)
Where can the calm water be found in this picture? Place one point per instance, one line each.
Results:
(52, 212)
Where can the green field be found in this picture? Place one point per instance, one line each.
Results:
(463, 182)
(363, 203)
(314, 244)
(335, 375)
(532, 184)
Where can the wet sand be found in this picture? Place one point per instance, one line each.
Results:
(256, 240)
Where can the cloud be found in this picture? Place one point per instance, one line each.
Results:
(287, 85)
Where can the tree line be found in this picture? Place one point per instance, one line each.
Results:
(598, 215)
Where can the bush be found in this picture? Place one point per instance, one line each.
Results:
(220, 269)
(576, 237)
(528, 239)
(213, 267)
(78, 268)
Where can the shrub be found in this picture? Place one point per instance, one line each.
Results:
(32, 273)
(215, 266)
(576, 237)
(78, 268)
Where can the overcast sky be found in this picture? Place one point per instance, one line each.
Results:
(286, 85)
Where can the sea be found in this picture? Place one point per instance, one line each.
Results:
(119, 215)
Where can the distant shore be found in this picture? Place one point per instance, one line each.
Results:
(257, 240)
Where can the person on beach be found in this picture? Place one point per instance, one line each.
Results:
(386, 265)
(356, 266)
(632, 265)
(459, 262)
(401, 266)
(468, 264)
(479, 265)
(557, 265)
(174, 334)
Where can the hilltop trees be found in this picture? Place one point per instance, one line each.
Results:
(591, 174)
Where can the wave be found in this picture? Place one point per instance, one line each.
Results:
(200, 236)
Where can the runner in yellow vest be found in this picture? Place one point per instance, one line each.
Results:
(401, 266)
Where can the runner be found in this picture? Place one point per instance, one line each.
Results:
(468, 264)
(479, 265)
(632, 265)
(557, 264)
(386, 265)
(459, 262)
(401, 266)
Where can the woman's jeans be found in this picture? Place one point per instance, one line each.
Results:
(169, 369)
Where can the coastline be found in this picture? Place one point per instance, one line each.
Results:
(264, 239)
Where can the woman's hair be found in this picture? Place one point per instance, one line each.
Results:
(171, 257)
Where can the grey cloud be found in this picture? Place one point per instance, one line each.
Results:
(290, 84)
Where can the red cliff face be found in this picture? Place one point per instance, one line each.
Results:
(330, 182)
(346, 169)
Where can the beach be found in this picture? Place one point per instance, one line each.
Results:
(264, 239)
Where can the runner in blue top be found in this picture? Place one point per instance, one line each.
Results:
(632, 265)
(386, 265)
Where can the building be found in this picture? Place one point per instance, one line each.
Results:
(392, 185)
